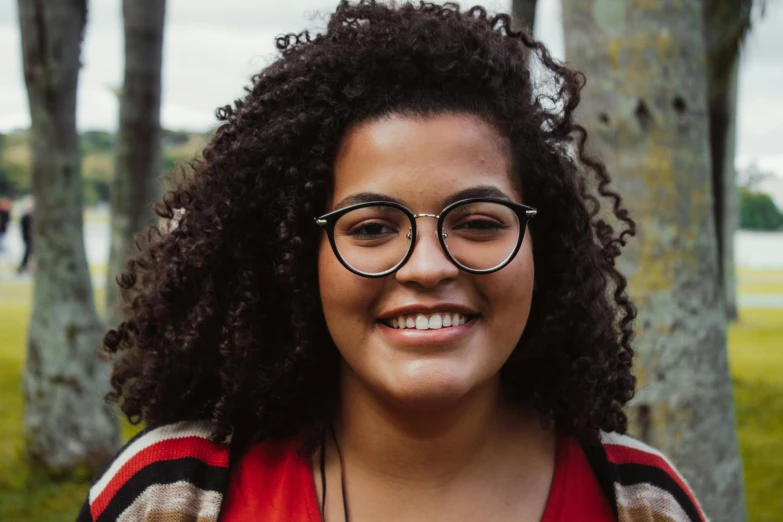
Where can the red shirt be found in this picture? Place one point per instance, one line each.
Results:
(272, 483)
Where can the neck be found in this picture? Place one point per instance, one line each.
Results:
(431, 442)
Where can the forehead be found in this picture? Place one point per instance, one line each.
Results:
(421, 160)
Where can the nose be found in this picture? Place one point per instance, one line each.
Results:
(428, 264)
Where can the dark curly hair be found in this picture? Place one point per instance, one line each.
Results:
(224, 320)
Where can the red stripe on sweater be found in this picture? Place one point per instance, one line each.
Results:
(194, 447)
(619, 454)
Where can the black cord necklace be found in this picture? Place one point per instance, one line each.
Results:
(323, 475)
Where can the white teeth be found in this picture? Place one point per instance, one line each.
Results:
(427, 322)
(421, 322)
(435, 322)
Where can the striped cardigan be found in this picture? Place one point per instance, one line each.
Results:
(175, 474)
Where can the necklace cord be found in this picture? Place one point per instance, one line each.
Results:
(323, 477)
(342, 473)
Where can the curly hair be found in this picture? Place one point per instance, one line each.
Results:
(224, 320)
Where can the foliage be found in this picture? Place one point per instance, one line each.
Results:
(754, 354)
(95, 142)
(758, 211)
(97, 149)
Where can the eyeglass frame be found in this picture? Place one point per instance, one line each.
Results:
(524, 214)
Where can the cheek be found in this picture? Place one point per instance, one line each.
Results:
(509, 293)
(347, 299)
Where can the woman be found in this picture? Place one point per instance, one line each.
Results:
(389, 296)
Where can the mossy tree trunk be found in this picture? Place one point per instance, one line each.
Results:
(645, 106)
(138, 156)
(68, 426)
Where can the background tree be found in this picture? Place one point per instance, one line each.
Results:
(726, 23)
(68, 426)
(645, 106)
(758, 211)
(138, 149)
(525, 12)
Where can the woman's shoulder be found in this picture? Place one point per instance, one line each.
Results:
(643, 481)
(173, 469)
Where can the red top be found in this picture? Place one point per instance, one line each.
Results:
(272, 483)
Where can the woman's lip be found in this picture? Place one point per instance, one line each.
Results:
(414, 337)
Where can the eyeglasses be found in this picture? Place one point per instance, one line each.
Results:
(478, 235)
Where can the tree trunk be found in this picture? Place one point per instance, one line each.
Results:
(138, 154)
(68, 426)
(726, 23)
(525, 12)
(723, 130)
(645, 105)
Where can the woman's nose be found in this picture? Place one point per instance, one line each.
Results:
(428, 264)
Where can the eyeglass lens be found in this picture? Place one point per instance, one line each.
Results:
(478, 235)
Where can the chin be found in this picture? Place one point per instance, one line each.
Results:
(424, 387)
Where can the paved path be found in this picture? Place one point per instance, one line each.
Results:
(760, 300)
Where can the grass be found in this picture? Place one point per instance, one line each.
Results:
(756, 360)
(759, 281)
(755, 356)
(26, 495)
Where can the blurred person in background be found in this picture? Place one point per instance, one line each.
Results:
(5, 218)
(388, 296)
(26, 227)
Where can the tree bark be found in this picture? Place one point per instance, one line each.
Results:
(525, 12)
(138, 155)
(645, 106)
(68, 426)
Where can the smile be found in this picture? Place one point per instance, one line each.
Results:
(434, 321)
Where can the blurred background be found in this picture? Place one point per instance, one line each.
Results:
(207, 55)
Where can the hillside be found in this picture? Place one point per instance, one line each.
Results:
(97, 149)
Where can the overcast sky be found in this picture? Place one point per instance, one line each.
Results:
(212, 48)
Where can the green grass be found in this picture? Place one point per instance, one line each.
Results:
(756, 359)
(755, 355)
(26, 495)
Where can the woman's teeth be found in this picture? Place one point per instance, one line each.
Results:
(426, 322)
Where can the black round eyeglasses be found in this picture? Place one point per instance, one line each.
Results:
(478, 235)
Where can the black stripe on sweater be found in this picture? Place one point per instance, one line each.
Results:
(605, 473)
(632, 474)
(84, 513)
(192, 470)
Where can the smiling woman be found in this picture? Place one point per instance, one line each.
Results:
(390, 296)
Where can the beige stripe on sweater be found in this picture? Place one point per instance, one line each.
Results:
(647, 503)
(177, 502)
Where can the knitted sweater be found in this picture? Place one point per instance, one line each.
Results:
(175, 474)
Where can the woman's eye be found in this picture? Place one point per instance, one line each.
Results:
(480, 225)
(371, 230)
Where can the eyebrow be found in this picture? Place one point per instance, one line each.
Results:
(479, 191)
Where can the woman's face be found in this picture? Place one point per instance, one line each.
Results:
(424, 163)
